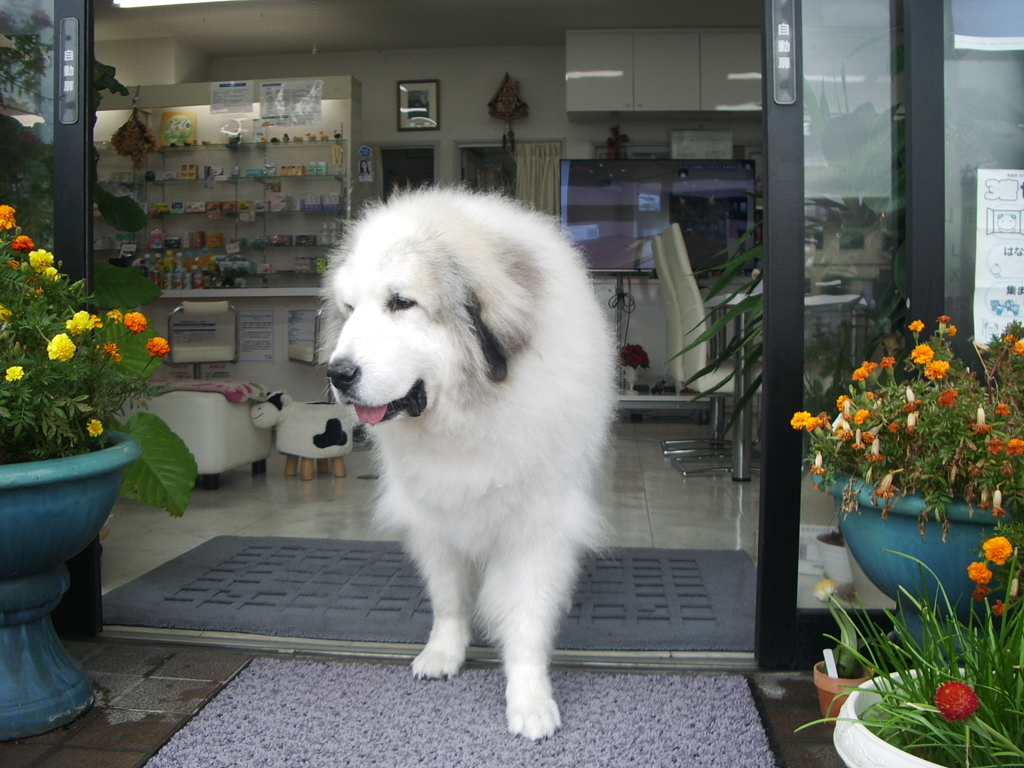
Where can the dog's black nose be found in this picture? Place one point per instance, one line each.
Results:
(343, 374)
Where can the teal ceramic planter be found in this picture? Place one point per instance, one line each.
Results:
(49, 512)
(873, 542)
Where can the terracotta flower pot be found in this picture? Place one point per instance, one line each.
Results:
(830, 688)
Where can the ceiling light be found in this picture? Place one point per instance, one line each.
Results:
(150, 3)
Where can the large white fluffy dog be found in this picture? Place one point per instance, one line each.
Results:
(469, 336)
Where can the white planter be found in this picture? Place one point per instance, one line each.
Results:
(835, 562)
(857, 744)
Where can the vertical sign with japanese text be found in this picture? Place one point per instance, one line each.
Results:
(999, 254)
(783, 41)
(68, 61)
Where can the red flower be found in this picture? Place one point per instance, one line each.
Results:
(23, 243)
(956, 700)
(634, 355)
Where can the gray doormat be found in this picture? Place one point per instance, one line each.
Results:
(281, 714)
(626, 598)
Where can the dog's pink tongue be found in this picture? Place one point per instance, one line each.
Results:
(369, 415)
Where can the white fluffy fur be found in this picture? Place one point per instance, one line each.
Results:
(491, 488)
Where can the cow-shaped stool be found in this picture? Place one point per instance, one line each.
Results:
(308, 431)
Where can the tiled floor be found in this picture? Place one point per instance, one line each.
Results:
(147, 691)
(148, 687)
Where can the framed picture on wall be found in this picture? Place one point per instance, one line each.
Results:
(419, 105)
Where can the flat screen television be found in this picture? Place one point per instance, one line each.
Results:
(614, 208)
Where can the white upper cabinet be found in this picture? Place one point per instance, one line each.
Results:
(666, 71)
(598, 71)
(730, 71)
(662, 71)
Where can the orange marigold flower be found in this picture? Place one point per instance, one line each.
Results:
(998, 609)
(1018, 347)
(887, 362)
(937, 369)
(135, 322)
(950, 331)
(943, 318)
(860, 374)
(892, 426)
(998, 549)
(917, 326)
(980, 429)
(1015, 446)
(1002, 410)
(948, 397)
(14, 264)
(1009, 338)
(979, 573)
(158, 347)
(112, 349)
(911, 407)
(922, 354)
(874, 457)
(23, 243)
(995, 446)
(7, 217)
(980, 592)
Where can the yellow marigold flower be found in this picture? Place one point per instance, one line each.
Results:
(840, 401)
(7, 217)
(979, 573)
(5, 313)
(135, 322)
(115, 316)
(94, 428)
(61, 348)
(801, 419)
(79, 323)
(917, 326)
(158, 347)
(951, 331)
(861, 416)
(998, 549)
(14, 373)
(40, 260)
(937, 369)
(922, 354)
(1018, 347)
(51, 273)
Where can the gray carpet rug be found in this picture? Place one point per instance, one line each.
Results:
(626, 599)
(281, 714)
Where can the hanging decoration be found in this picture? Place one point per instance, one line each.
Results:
(134, 139)
(507, 105)
(616, 145)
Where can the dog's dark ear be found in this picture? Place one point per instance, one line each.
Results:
(276, 399)
(494, 354)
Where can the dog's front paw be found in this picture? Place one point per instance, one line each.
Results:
(433, 663)
(536, 717)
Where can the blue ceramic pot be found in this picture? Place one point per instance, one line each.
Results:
(49, 512)
(873, 542)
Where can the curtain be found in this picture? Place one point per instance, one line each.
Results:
(537, 175)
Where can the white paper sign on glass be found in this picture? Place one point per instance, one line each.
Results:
(999, 260)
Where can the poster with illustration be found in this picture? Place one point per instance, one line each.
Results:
(178, 128)
(999, 265)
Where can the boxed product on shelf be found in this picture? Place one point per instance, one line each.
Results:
(310, 203)
(246, 210)
(254, 173)
(302, 265)
(259, 206)
(199, 238)
(293, 170)
(213, 210)
(280, 203)
(159, 209)
(229, 206)
(172, 242)
(156, 238)
(312, 168)
(195, 206)
(305, 239)
(214, 239)
(321, 168)
(170, 176)
(120, 175)
(331, 202)
(214, 172)
(177, 207)
(270, 169)
(188, 172)
(260, 241)
(281, 240)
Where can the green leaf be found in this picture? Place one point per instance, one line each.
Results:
(122, 213)
(120, 287)
(166, 473)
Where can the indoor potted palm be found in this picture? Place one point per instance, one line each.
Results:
(67, 369)
(924, 461)
(953, 696)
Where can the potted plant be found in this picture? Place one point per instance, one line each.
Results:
(924, 462)
(632, 357)
(954, 696)
(66, 374)
(841, 670)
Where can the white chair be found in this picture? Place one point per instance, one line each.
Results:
(686, 315)
(203, 332)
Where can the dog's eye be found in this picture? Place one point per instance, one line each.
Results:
(397, 303)
(348, 309)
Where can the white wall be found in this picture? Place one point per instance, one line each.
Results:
(154, 61)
